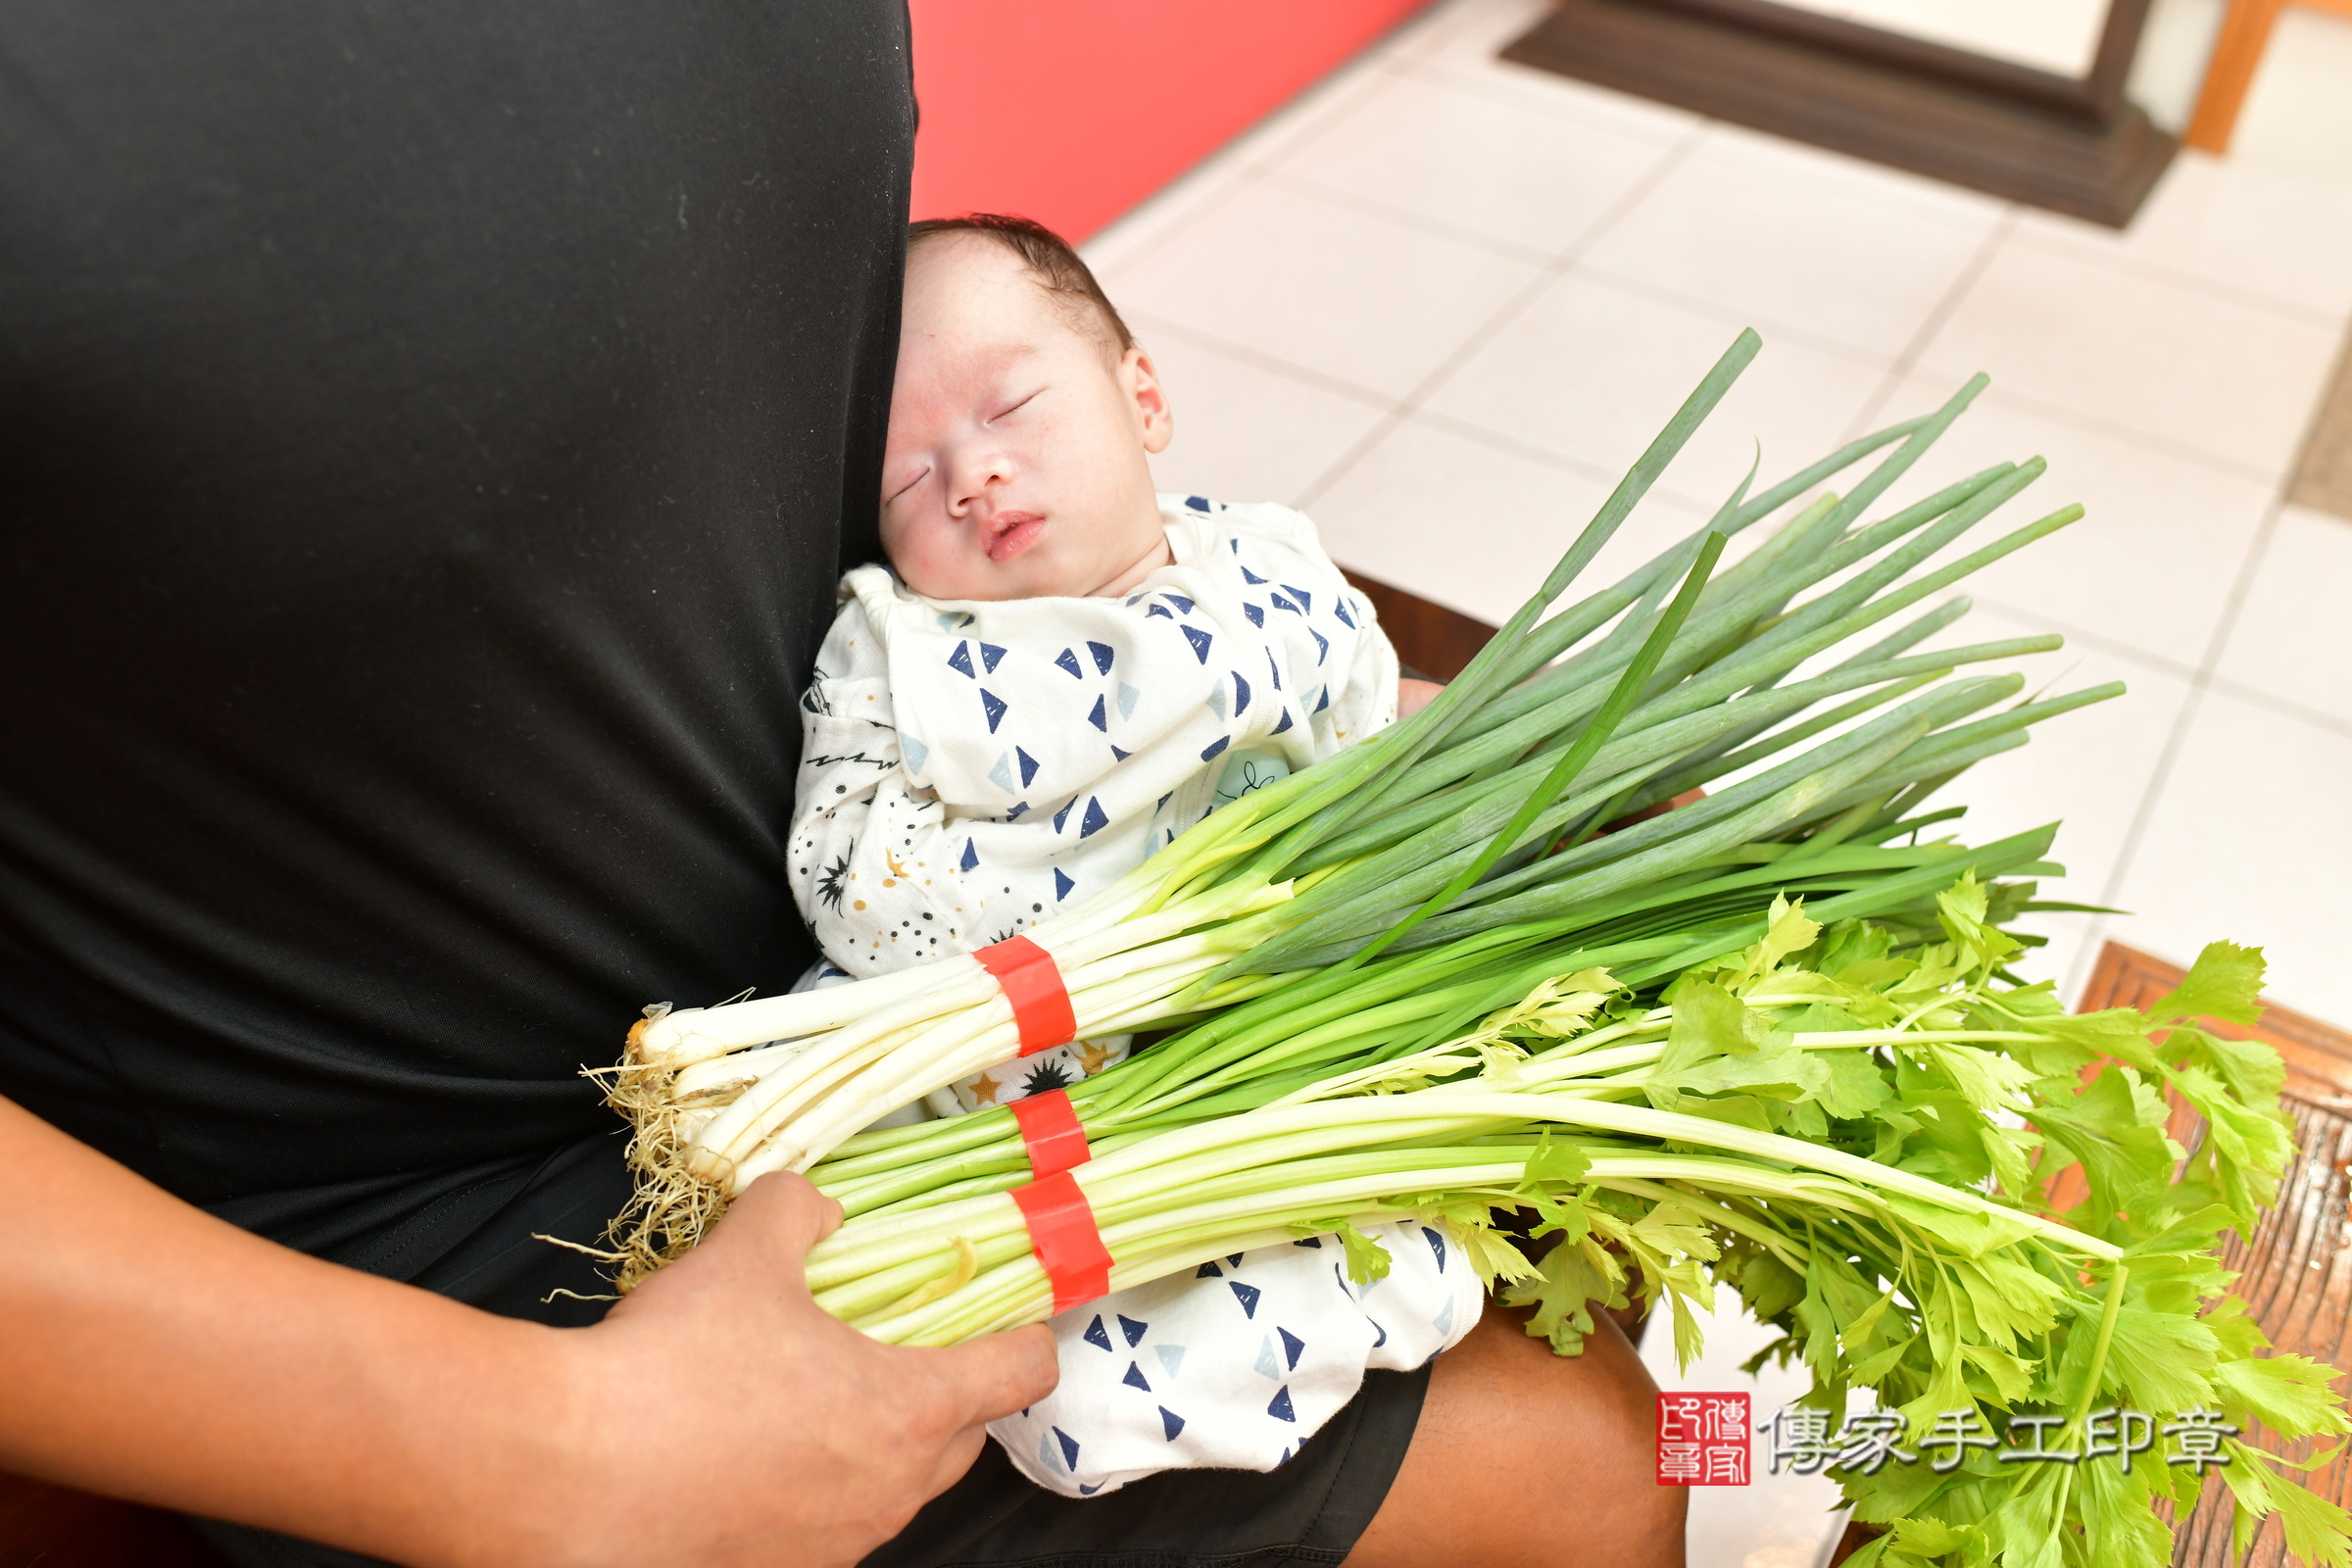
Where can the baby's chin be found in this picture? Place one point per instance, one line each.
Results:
(1033, 574)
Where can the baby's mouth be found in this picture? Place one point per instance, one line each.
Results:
(1011, 532)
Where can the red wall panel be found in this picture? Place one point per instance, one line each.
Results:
(1072, 111)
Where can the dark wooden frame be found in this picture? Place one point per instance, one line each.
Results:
(2074, 145)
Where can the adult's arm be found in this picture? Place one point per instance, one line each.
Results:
(716, 1417)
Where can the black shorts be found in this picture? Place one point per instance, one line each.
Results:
(1310, 1510)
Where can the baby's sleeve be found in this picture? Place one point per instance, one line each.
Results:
(864, 839)
(1365, 704)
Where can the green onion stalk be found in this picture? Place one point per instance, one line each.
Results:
(1856, 1124)
(1787, 684)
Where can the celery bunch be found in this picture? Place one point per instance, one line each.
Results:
(1856, 1126)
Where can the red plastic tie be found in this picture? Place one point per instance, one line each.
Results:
(1032, 982)
(1063, 1235)
(1050, 1132)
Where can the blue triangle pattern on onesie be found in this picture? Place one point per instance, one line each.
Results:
(1285, 722)
(1132, 1331)
(1280, 1409)
(1436, 1245)
(1209, 753)
(960, 661)
(1200, 641)
(1119, 756)
(1095, 820)
(972, 856)
(1197, 502)
(1306, 600)
(914, 750)
(1257, 617)
(1246, 1295)
(1134, 1378)
(1098, 717)
(1179, 601)
(991, 654)
(1250, 577)
(1066, 660)
(1028, 767)
(1063, 887)
(1170, 1422)
(995, 707)
(1291, 1345)
(1161, 610)
(1102, 652)
(1128, 696)
(1000, 775)
(1096, 1334)
(1241, 695)
(1339, 608)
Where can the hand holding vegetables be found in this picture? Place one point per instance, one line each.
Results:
(1418, 981)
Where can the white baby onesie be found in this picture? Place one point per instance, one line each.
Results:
(968, 768)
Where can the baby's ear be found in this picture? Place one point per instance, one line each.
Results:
(1138, 379)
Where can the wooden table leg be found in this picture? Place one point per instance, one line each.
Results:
(2236, 52)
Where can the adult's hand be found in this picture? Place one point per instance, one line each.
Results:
(718, 1418)
(831, 1440)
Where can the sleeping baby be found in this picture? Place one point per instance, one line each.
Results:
(1058, 672)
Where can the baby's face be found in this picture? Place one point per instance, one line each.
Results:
(1015, 461)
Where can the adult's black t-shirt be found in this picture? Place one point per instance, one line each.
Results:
(429, 436)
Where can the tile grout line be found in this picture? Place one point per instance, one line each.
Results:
(2253, 299)
(1545, 277)
(2177, 741)
(1907, 361)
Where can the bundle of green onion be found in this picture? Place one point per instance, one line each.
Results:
(1834, 1121)
(1768, 1040)
(1474, 822)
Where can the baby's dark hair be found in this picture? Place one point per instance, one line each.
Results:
(1057, 267)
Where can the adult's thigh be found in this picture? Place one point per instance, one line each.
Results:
(1527, 1459)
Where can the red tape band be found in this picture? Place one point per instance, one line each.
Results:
(1032, 983)
(1063, 1235)
(1050, 1132)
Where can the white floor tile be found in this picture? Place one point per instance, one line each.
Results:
(2151, 563)
(1115, 248)
(2228, 222)
(1818, 169)
(2177, 364)
(2294, 639)
(1488, 166)
(1548, 92)
(2090, 770)
(1332, 289)
(1592, 371)
(1244, 433)
(1476, 528)
(2297, 118)
(2251, 841)
(1470, 32)
(1840, 263)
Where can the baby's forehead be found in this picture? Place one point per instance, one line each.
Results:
(971, 285)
